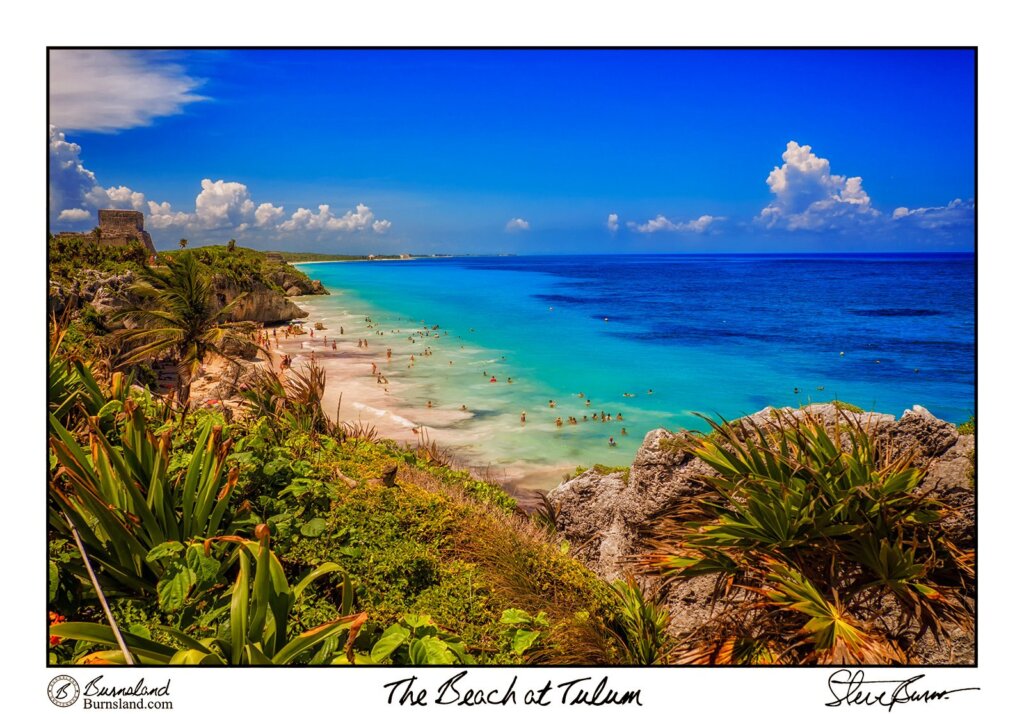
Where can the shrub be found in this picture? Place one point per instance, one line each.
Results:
(825, 551)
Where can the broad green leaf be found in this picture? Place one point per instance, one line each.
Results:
(313, 528)
(522, 640)
(173, 587)
(164, 550)
(203, 567)
(393, 638)
(437, 651)
(53, 579)
(514, 616)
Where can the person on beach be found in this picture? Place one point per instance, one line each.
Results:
(430, 404)
(463, 407)
(334, 345)
(522, 417)
(389, 353)
(373, 368)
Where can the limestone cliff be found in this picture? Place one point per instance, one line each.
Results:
(605, 516)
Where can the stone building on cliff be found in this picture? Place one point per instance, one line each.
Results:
(118, 228)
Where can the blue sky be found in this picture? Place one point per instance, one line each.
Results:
(521, 151)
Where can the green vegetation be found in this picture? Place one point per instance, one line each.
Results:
(70, 257)
(828, 554)
(967, 427)
(846, 406)
(292, 257)
(281, 537)
(176, 314)
(244, 267)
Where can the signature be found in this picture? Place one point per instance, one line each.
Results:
(852, 688)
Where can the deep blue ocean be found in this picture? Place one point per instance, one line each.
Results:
(659, 337)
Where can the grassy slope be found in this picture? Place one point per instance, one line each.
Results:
(439, 543)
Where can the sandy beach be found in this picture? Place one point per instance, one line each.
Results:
(366, 386)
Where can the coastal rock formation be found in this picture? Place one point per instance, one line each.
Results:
(258, 303)
(604, 516)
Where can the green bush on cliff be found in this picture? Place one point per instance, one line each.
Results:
(831, 553)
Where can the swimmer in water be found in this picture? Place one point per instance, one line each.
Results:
(494, 379)
(624, 431)
(558, 421)
(611, 441)
(618, 417)
(551, 403)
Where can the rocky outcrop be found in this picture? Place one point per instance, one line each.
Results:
(257, 303)
(260, 303)
(294, 283)
(604, 516)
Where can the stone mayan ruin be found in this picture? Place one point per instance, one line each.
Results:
(117, 228)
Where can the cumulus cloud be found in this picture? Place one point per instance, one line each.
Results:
(267, 214)
(161, 216)
(661, 223)
(74, 189)
(220, 206)
(955, 214)
(325, 220)
(613, 222)
(224, 204)
(809, 196)
(70, 215)
(516, 225)
(110, 90)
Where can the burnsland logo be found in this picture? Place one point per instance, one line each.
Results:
(63, 690)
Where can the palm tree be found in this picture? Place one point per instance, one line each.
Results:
(177, 314)
(231, 245)
(183, 243)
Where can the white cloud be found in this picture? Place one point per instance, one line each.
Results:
(661, 223)
(116, 197)
(325, 220)
(73, 187)
(70, 215)
(220, 205)
(109, 90)
(808, 196)
(268, 214)
(613, 222)
(161, 216)
(516, 225)
(956, 213)
(223, 204)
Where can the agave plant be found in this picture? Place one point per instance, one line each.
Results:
(813, 532)
(641, 623)
(294, 404)
(123, 500)
(258, 609)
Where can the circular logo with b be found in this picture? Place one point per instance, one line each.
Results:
(63, 690)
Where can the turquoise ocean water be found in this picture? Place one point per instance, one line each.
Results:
(655, 338)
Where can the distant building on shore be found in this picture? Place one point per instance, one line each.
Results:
(118, 228)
